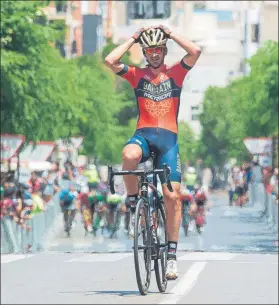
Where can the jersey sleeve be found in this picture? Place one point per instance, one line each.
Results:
(128, 73)
(179, 71)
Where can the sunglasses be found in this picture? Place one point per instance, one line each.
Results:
(157, 50)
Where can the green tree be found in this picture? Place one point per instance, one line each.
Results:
(46, 97)
(215, 123)
(36, 97)
(187, 143)
(100, 106)
(247, 107)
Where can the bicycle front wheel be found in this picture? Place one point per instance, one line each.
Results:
(160, 263)
(142, 248)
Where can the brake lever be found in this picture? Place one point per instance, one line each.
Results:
(110, 180)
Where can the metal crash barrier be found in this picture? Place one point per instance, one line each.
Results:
(269, 206)
(15, 239)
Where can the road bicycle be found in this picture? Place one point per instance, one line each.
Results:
(150, 235)
(68, 218)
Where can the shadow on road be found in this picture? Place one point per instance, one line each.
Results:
(243, 219)
(251, 234)
(121, 293)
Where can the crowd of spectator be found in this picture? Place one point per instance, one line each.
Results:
(246, 176)
(21, 201)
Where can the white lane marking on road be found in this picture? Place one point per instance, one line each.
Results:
(267, 263)
(98, 257)
(8, 258)
(185, 284)
(207, 256)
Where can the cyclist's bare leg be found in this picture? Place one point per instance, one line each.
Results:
(131, 156)
(173, 221)
(173, 211)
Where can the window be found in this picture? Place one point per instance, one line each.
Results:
(195, 108)
(195, 112)
(199, 5)
(255, 33)
(149, 9)
(60, 6)
(195, 117)
(74, 47)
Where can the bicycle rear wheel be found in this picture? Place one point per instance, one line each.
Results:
(142, 243)
(160, 264)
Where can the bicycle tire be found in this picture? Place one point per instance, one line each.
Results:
(160, 264)
(143, 287)
(185, 220)
(69, 224)
(186, 229)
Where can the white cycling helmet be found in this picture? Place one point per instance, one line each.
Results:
(153, 38)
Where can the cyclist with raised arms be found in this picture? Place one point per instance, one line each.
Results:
(157, 89)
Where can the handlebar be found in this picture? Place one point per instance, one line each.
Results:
(139, 172)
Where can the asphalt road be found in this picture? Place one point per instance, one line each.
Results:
(235, 261)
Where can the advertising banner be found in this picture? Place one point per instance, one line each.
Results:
(40, 152)
(261, 147)
(10, 145)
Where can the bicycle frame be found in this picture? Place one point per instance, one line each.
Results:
(143, 174)
(144, 187)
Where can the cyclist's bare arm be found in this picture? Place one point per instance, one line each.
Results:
(193, 50)
(113, 59)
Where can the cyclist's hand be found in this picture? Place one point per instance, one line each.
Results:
(138, 34)
(166, 30)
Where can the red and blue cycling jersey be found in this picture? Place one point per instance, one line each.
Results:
(158, 96)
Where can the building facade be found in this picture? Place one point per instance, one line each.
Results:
(228, 32)
(216, 29)
(70, 13)
(88, 25)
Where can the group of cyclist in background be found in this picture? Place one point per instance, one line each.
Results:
(87, 193)
(238, 181)
(194, 199)
(102, 211)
